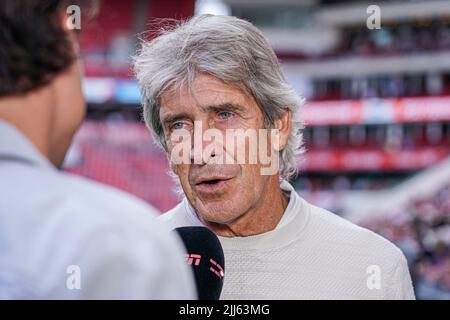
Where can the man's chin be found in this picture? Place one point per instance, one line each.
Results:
(218, 215)
(221, 210)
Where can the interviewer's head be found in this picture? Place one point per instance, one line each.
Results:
(219, 72)
(40, 79)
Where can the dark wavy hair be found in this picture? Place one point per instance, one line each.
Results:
(34, 47)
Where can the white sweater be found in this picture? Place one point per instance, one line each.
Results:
(311, 254)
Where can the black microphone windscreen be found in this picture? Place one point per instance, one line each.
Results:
(205, 256)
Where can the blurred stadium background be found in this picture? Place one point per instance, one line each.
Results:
(377, 116)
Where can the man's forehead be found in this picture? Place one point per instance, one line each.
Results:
(204, 93)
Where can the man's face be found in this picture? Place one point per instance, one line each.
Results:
(221, 193)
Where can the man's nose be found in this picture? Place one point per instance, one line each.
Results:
(199, 155)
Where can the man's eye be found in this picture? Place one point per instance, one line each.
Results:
(177, 126)
(224, 115)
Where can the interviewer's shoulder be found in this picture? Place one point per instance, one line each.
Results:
(94, 207)
(97, 228)
(105, 200)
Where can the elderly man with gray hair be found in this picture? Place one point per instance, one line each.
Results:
(213, 75)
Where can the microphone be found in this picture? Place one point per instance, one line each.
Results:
(205, 256)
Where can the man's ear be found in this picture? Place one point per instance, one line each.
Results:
(283, 124)
(70, 22)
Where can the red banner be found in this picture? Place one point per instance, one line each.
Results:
(373, 111)
(372, 160)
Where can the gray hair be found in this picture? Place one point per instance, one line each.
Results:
(230, 49)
